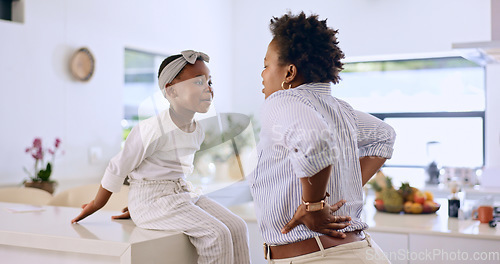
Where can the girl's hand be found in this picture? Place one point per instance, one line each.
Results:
(125, 215)
(88, 209)
(321, 221)
(100, 201)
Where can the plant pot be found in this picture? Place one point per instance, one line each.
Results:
(46, 186)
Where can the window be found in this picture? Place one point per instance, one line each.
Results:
(141, 95)
(435, 105)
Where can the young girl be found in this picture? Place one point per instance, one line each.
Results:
(158, 155)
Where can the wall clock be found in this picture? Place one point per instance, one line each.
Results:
(82, 65)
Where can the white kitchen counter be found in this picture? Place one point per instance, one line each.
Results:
(437, 224)
(47, 236)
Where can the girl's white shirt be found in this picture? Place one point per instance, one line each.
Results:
(155, 149)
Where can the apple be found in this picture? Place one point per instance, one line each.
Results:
(379, 204)
(428, 207)
(435, 206)
(419, 197)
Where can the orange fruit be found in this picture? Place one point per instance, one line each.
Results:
(428, 196)
(416, 208)
(407, 207)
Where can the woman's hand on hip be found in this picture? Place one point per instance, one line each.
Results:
(321, 221)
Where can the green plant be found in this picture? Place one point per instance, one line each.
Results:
(42, 168)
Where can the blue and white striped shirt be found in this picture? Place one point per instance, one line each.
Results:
(304, 130)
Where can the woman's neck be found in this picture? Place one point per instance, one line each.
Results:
(182, 119)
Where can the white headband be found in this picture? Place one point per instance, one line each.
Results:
(168, 73)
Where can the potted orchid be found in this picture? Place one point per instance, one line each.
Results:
(42, 170)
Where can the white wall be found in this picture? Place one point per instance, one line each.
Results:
(367, 28)
(40, 99)
(493, 119)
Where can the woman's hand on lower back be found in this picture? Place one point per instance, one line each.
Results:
(321, 221)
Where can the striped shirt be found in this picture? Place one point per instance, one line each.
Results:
(304, 130)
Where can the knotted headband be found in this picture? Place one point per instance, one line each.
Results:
(168, 73)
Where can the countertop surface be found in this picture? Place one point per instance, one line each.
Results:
(431, 224)
(434, 224)
(49, 227)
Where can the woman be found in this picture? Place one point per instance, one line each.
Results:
(314, 150)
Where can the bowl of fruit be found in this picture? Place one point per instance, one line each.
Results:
(406, 199)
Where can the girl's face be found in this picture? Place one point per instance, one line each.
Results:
(191, 89)
(274, 73)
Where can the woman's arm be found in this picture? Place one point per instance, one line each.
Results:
(322, 221)
(100, 200)
(296, 125)
(369, 166)
(314, 188)
(375, 143)
(375, 138)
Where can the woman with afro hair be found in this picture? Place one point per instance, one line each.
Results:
(315, 152)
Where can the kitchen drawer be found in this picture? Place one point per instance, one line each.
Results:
(447, 249)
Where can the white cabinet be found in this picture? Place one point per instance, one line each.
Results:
(256, 243)
(393, 245)
(414, 248)
(447, 249)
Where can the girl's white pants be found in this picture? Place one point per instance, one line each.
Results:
(219, 235)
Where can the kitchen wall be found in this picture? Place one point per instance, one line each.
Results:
(492, 137)
(372, 30)
(366, 28)
(39, 98)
